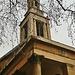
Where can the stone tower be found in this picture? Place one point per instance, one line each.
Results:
(34, 23)
(37, 54)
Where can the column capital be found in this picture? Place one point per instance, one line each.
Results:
(36, 59)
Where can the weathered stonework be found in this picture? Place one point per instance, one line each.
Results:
(26, 58)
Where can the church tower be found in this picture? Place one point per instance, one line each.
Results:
(34, 23)
(37, 54)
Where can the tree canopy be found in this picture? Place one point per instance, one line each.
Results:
(12, 13)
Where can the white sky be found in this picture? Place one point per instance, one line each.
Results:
(60, 36)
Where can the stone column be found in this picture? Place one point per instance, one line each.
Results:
(70, 69)
(35, 60)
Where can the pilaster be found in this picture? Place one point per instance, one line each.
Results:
(29, 27)
(35, 30)
(45, 30)
(48, 30)
(31, 24)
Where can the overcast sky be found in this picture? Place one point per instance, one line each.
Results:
(60, 35)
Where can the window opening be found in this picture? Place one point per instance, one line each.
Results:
(32, 3)
(39, 26)
(36, 3)
(46, 30)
